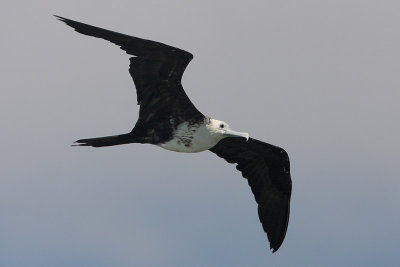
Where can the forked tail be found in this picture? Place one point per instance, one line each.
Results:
(107, 140)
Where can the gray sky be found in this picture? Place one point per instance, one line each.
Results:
(318, 78)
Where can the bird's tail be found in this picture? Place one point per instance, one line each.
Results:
(108, 140)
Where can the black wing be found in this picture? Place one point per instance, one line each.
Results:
(267, 170)
(156, 70)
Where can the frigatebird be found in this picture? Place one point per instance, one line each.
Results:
(167, 118)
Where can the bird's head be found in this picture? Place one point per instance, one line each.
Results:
(222, 130)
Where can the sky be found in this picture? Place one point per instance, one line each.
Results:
(318, 78)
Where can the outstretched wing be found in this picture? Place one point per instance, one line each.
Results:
(267, 170)
(156, 70)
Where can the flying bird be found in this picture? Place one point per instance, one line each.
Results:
(168, 119)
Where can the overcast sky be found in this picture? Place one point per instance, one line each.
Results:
(318, 78)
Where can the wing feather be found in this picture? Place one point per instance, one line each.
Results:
(156, 70)
(267, 170)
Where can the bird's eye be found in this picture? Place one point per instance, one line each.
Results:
(221, 126)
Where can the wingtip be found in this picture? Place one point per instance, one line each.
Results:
(275, 245)
(274, 249)
(59, 17)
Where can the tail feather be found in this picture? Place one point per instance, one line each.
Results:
(106, 141)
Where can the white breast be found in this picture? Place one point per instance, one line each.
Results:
(191, 139)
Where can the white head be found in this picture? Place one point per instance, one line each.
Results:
(221, 130)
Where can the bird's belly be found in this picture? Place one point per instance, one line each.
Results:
(186, 145)
(190, 138)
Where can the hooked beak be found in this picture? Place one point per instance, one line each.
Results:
(231, 133)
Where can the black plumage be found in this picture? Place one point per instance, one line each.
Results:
(267, 170)
(157, 71)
